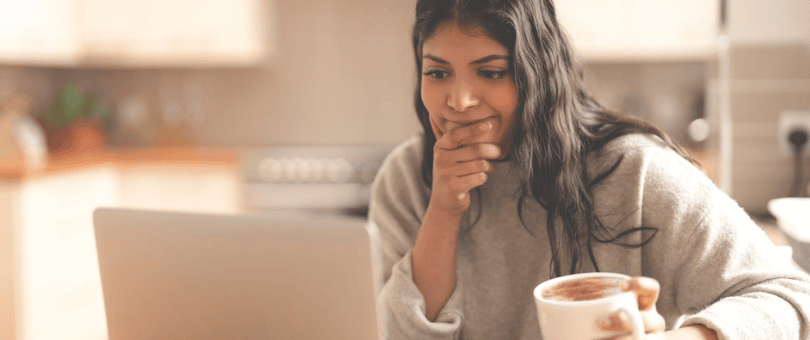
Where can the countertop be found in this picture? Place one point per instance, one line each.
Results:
(196, 155)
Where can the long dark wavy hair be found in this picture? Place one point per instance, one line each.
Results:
(557, 121)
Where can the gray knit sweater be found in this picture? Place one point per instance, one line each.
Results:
(716, 267)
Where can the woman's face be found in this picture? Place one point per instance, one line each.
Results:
(465, 80)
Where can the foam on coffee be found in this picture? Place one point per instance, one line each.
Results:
(583, 289)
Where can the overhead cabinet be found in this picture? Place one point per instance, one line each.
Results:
(38, 32)
(642, 30)
(137, 33)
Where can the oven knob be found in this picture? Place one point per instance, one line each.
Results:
(271, 170)
(317, 170)
(339, 170)
(302, 170)
(288, 172)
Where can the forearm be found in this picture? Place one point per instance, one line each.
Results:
(434, 260)
(693, 332)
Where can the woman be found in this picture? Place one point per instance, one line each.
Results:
(521, 176)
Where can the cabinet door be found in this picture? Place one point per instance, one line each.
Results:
(182, 187)
(38, 32)
(60, 289)
(9, 203)
(641, 29)
(173, 32)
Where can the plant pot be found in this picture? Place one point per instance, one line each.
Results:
(85, 135)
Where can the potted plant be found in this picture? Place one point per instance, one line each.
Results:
(76, 121)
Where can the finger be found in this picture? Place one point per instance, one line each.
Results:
(472, 167)
(621, 322)
(653, 322)
(459, 187)
(467, 153)
(646, 290)
(466, 183)
(462, 135)
(616, 322)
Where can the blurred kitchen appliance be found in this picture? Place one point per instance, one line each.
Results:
(317, 179)
(22, 139)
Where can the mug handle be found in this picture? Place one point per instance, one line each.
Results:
(638, 323)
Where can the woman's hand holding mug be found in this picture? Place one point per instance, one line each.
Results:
(646, 290)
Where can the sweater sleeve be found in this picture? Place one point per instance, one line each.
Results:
(398, 204)
(714, 262)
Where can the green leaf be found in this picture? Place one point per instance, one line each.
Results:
(68, 106)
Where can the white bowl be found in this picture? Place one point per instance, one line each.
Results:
(793, 218)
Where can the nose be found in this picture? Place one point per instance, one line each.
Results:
(462, 97)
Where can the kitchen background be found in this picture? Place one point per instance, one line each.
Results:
(271, 105)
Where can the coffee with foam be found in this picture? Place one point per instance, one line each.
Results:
(583, 289)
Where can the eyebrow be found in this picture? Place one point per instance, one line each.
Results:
(477, 61)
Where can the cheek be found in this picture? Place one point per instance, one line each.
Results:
(504, 101)
(431, 96)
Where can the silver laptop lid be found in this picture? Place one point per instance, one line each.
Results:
(169, 275)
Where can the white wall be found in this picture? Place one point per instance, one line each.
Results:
(344, 74)
(770, 74)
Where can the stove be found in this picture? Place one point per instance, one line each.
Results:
(315, 179)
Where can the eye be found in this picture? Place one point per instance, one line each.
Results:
(493, 75)
(436, 74)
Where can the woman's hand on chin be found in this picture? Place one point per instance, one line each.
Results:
(460, 164)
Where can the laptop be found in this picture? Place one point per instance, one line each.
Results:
(174, 275)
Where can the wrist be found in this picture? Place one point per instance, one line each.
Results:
(434, 259)
(445, 221)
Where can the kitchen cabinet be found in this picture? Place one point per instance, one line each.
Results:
(135, 33)
(53, 290)
(641, 30)
(38, 32)
(50, 286)
(210, 188)
(181, 179)
(175, 32)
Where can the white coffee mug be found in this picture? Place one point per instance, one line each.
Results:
(570, 307)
